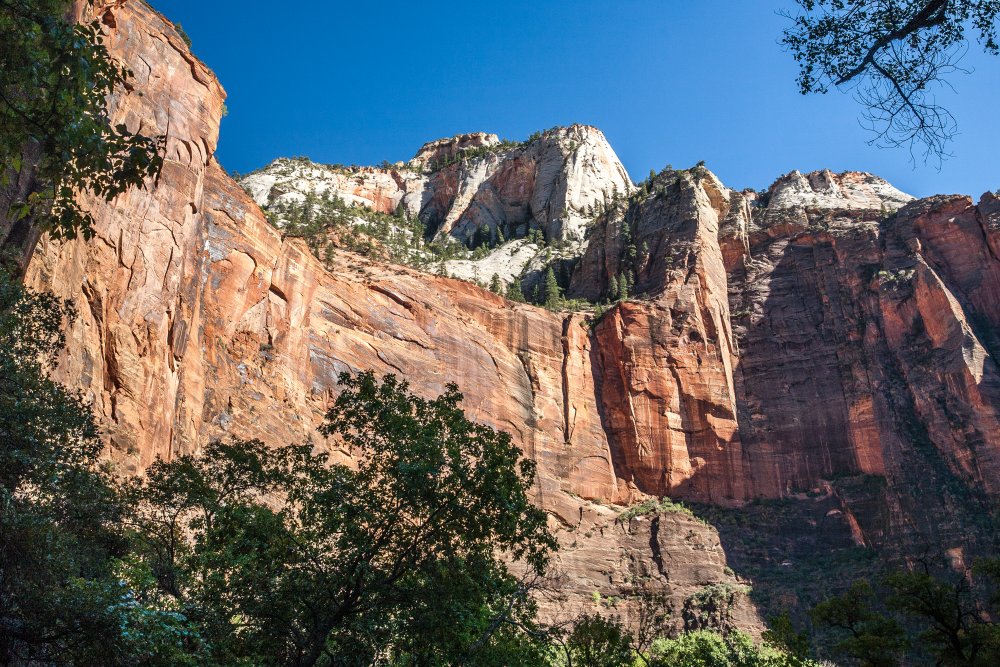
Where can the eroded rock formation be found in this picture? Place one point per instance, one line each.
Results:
(472, 186)
(772, 341)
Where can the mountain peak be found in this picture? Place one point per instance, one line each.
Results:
(825, 189)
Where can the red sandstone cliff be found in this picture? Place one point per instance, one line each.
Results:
(770, 347)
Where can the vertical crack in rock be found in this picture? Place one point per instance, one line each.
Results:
(567, 427)
(654, 543)
(532, 421)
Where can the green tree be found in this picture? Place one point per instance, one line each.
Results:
(951, 617)
(56, 137)
(496, 286)
(623, 286)
(284, 557)
(956, 622)
(553, 293)
(781, 633)
(869, 637)
(514, 292)
(705, 648)
(895, 53)
(596, 641)
(62, 600)
(614, 289)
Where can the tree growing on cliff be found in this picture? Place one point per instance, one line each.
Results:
(56, 136)
(895, 53)
(496, 285)
(513, 291)
(285, 557)
(553, 293)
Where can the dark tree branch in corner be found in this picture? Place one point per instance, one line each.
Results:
(931, 15)
(895, 53)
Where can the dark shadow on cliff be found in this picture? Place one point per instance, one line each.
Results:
(817, 322)
(618, 462)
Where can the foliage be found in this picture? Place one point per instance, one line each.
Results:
(472, 154)
(246, 554)
(326, 222)
(781, 633)
(496, 286)
(62, 600)
(945, 615)
(183, 34)
(705, 648)
(513, 292)
(467, 155)
(596, 641)
(664, 504)
(895, 52)
(957, 625)
(55, 79)
(870, 638)
(711, 606)
(793, 558)
(553, 293)
(396, 557)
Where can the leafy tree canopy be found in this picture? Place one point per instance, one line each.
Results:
(282, 555)
(62, 600)
(932, 612)
(56, 137)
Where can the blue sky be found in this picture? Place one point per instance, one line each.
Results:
(668, 82)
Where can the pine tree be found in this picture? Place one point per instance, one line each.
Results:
(514, 292)
(553, 294)
(495, 285)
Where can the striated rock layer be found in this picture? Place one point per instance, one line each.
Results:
(197, 320)
(472, 186)
(773, 341)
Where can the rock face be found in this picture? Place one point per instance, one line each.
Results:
(197, 320)
(472, 186)
(771, 341)
(382, 190)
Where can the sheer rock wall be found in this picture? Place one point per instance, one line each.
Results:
(775, 345)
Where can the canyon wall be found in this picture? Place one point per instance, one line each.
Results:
(774, 343)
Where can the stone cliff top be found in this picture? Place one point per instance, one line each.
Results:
(449, 147)
(827, 190)
(816, 190)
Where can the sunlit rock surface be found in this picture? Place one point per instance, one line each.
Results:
(828, 328)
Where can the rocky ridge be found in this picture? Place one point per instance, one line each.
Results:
(471, 192)
(829, 343)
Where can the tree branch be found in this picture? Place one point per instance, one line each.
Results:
(931, 15)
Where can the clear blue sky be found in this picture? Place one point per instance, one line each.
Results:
(668, 82)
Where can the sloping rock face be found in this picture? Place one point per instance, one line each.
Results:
(383, 190)
(472, 186)
(452, 148)
(772, 342)
(197, 321)
(822, 335)
(548, 183)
